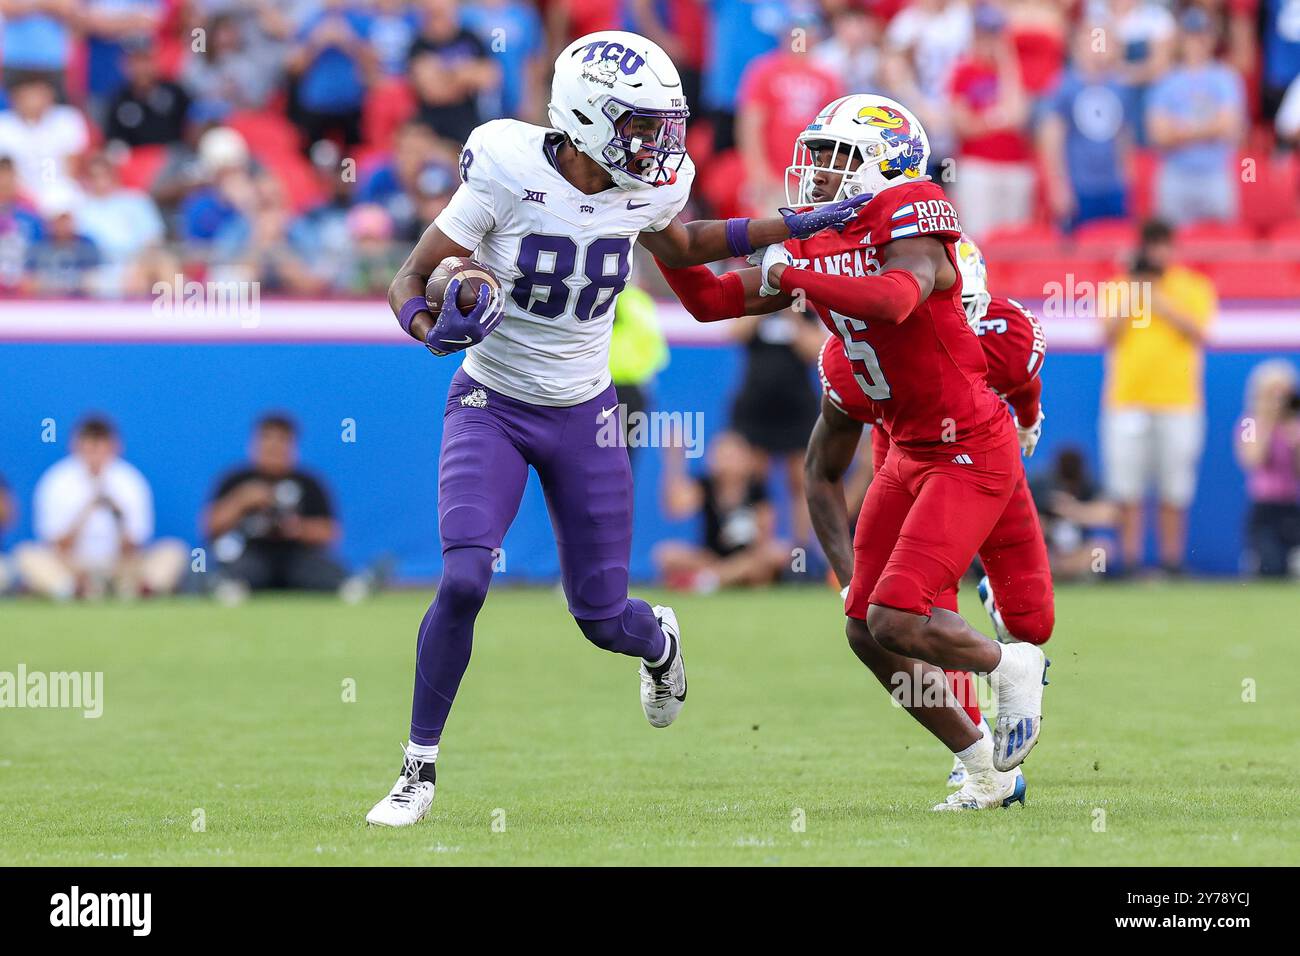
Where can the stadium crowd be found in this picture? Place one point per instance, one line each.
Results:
(304, 144)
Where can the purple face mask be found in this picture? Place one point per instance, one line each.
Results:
(649, 145)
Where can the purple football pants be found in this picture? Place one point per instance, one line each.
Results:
(489, 440)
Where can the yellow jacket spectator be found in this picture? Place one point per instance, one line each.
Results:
(1155, 320)
(1155, 356)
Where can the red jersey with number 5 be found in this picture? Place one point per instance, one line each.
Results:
(1010, 335)
(925, 374)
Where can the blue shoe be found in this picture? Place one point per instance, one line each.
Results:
(1018, 793)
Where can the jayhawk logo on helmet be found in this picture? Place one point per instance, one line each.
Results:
(886, 117)
(907, 155)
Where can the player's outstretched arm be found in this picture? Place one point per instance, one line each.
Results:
(710, 298)
(683, 244)
(910, 270)
(831, 449)
(414, 274)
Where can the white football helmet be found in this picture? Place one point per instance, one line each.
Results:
(889, 139)
(975, 296)
(618, 98)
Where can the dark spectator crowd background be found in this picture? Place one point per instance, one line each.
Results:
(304, 145)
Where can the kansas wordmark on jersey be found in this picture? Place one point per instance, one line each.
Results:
(562, 256)
(926, 374)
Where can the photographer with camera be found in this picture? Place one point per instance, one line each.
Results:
(1268, 450)
(1153, 415)
(94, 522)
(272, 524)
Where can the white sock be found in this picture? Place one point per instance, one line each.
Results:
(668, 649)
(426, 752)
(978, 757)
(1002, 658)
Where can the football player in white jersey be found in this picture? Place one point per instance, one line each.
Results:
(554, 213)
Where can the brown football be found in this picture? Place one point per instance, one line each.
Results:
(472, 274)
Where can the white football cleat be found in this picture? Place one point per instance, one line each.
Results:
(1018, 682)
(410, 798)
(957, 775)
(663, 688)
(987, 791)
(985, 589)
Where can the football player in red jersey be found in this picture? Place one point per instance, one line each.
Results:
(1015, 553)
(887, 284)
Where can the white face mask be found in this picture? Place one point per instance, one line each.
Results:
(805, 167)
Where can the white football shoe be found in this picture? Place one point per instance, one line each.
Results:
(410, 798)
(957, 775)
(987, 791)
(663, 688)
(985, 589)
(1018, 682)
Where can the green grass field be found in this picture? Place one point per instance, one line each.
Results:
(240, 713)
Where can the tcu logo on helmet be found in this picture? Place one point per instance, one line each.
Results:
(629, 61)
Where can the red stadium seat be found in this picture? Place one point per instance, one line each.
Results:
(1111, 239)
(1037, 278)
(266, 133)
(1215, 232)
(296, 176)
(1253, 278)
(1145, 166)
(1114, 231)
(1285, 231)
(1272, 197)
(1207, 241)
(172, 40)
(141, 166)
(722, 182)
(1283, 243)
(389, 104)
(1029, 241)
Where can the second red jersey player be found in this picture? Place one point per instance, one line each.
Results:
(1015, 553)
(888, 286)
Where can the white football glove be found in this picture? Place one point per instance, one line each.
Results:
(1029, 436)
(767, 257)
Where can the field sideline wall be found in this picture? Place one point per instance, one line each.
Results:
(185, 390)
